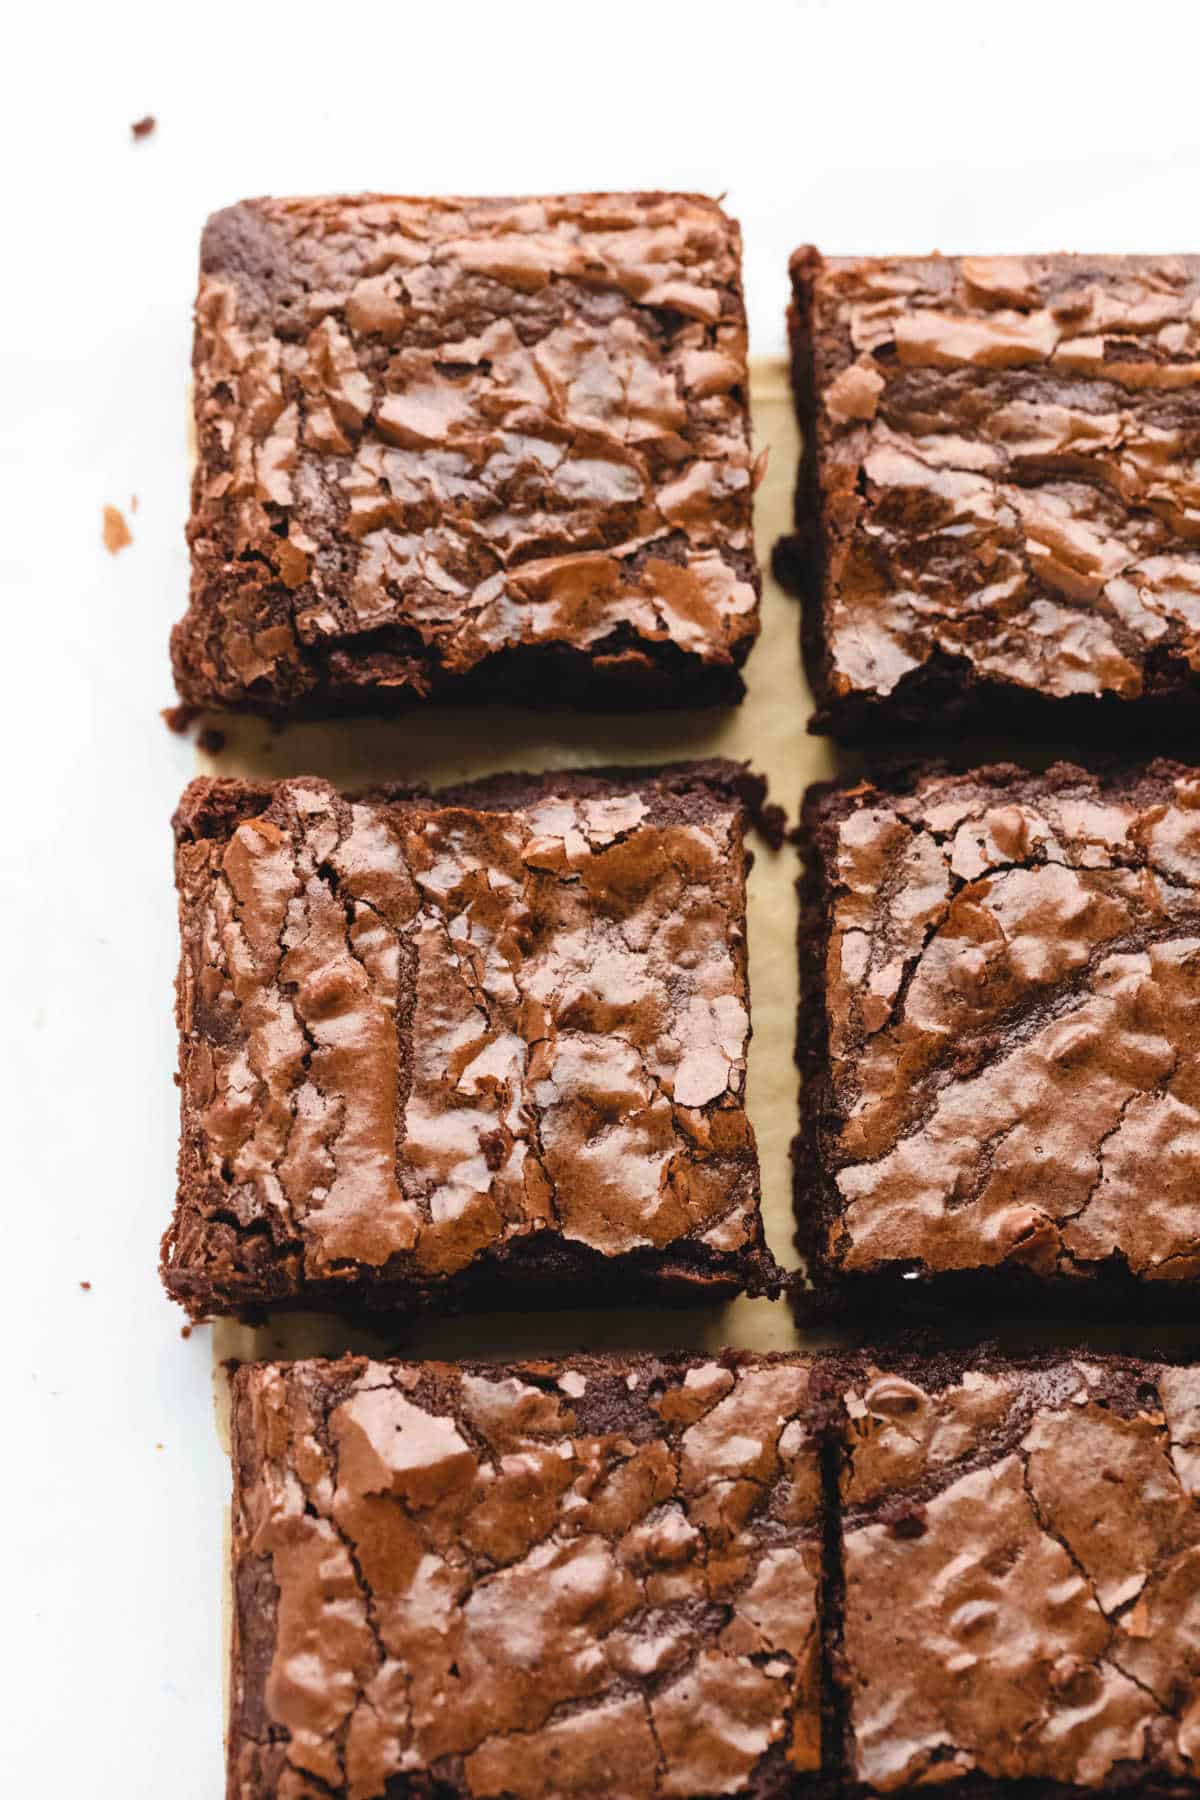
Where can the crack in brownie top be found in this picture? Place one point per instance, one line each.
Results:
(416, 1032)
(1022, 1566)
(585, 1577)
(432, 432)
(1006, 452)
(1012, 1022)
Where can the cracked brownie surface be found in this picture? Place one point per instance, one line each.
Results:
(1021, 1566)
(493, 1036)
(597, 1577)
(1000, 1034)
(469, 445)
(998, 508)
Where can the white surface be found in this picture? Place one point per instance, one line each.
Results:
(861, 126)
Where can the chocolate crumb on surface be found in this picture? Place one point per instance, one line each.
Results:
(180, 718)
(143, 128)
(115, 532)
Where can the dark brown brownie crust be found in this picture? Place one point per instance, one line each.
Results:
(1000, 1040)
(1011, 1607)
(482, 1046)
(598, 1577)
(468, 448)
(996, 515)
(617, 1569)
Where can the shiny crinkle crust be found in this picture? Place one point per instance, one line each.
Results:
(452, 444)
(1000, 477)
(1021, 1563)
(427, 1039)
(1002, 1028)
(591, 1578)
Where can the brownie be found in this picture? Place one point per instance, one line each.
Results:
(486, 1044)
(997, 510)
(463, 448)
(598, 1578)
(1000, 1038)
(1020, 1574)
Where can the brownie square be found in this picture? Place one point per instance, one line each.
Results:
(593, 1578)
(1020, 1550)
(1000, 1037)
(469, 447)
(478, 1044)
(998, 511)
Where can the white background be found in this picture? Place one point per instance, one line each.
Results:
(862, 126)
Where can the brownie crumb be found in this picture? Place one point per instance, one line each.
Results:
(494, 1150)
(86, 1286)
(910, 1523)
(179, 718)
(772, 825)
(143, 128)
(116, 532)
(185, 1331)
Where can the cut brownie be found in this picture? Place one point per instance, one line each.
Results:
(1000, 1035)
(595, 1578)
(483, 1040)
(998, 508)
(1021, 1567)
(455, 447)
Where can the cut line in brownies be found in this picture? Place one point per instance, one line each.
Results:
(1000, 1037)
(456, 448)
(998, 514)
(634, 1577)
(489, 1043)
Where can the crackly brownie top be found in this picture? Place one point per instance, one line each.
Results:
(1022, 1560)
(478, 423)
(423, 1029)
(1007, 454)
(591, 1577)
(1012, 1007)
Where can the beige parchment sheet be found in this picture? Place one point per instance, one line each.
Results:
(444, 745)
